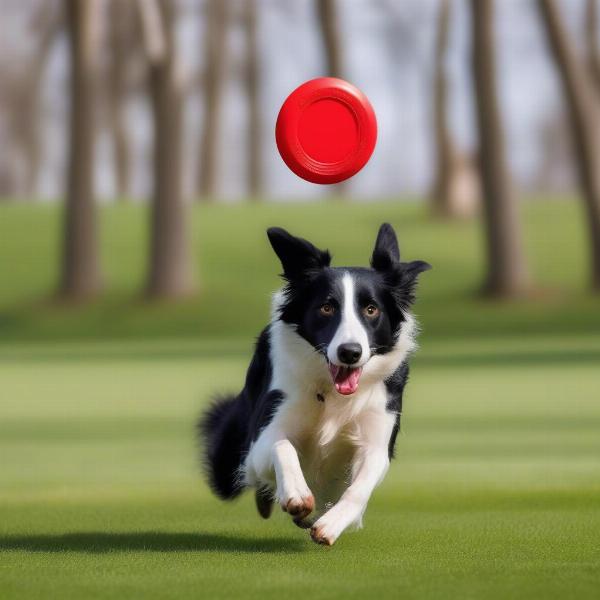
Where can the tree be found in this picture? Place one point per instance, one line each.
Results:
(170, 273)
(507, 273)
(121, 15)
(255, 184)
(328, 24)
(591, 37)
(21, 93)
(327, 17)
(48, 22)
(444, 146)
(80, 263)
(215, 54)
(584, 115)
(456, 188)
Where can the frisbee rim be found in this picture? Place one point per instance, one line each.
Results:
(287, 130)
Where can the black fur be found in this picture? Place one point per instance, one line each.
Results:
(297, 255)
(395, 388)
(232, 423)
(223, 429)
(311, 282)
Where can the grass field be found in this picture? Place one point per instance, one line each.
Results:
(495, 492)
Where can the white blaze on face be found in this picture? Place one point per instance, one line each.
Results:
(350, 329)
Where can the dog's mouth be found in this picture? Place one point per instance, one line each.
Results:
(345, 379)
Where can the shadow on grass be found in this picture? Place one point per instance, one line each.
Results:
(146, 541)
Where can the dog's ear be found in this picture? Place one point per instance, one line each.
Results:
(401, 277)
(386, 253)
(415, 268)
(297, 255)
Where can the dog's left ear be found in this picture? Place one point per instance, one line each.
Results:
(386, 256)
(415, 268)
(297, 255)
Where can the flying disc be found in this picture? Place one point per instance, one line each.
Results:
(326, 130)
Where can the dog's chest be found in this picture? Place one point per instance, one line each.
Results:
(325, 436)
(319, 423)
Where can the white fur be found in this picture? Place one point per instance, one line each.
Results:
(338, 449)
(291, 485)
(350, 329)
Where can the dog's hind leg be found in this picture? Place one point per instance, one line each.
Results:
(264, 502)
(305, 523)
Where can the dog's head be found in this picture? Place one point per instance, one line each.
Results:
(349, 314)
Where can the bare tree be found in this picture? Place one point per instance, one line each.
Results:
(507, 273)
(556, 172)
(456, 188)
(215, 55)
(120, 36)
(80, 263)
(328, 23)
(443, 137)
(584, 115)
(25, 95)
(255, 183)
(170, 272)
(591, 36)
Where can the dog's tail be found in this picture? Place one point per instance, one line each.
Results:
(223, 435)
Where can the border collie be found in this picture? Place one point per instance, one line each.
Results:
(315, 426)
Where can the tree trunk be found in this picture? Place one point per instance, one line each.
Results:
(47, 25)
(507, 273)
(327, 17)
(456, 190)
(445, 147)
(215, 54)
(591, 35)
(170, 273)
(120, 31)
(585, 119)
(255, 183)
(80, 264)
(328, 23)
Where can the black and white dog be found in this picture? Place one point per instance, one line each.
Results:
(315, 426)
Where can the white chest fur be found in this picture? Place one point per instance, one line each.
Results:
(327, 435)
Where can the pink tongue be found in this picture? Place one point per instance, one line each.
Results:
(345, 379)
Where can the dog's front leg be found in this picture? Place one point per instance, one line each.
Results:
(369, 469)
(273, 462)
(293, 493)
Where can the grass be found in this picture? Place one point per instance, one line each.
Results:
(495, 489)
(236, 267)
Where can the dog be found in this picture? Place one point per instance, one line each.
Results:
(315, 425)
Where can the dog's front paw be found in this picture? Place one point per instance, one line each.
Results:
(325, 531)
(299, 507)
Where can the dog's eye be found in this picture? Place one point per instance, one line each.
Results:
(371, 311)
(327, 309)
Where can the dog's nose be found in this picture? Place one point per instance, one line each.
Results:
(349, 353)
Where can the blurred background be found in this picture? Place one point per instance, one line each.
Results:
(138, 173)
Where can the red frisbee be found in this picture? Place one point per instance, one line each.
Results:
(326, 130)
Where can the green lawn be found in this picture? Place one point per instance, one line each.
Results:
(495, 492)
(237, 270)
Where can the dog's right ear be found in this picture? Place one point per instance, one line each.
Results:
(297, 255)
